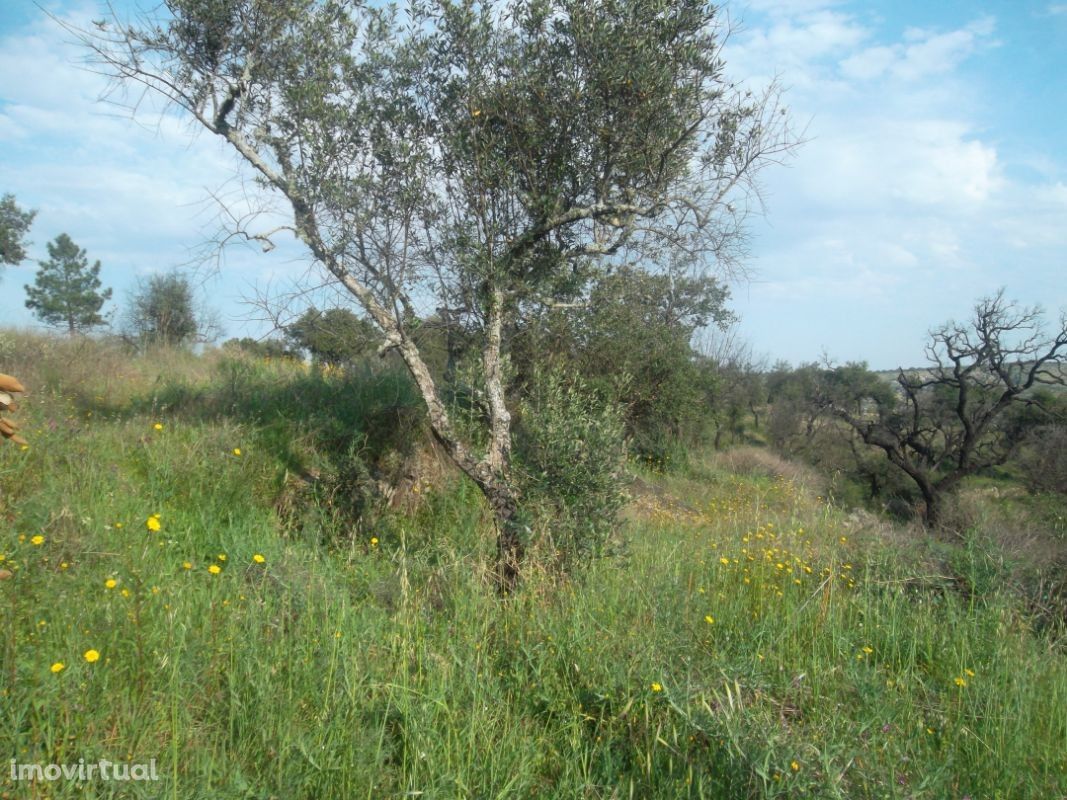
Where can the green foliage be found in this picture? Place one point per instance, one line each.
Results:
(162, 312)
(261, 348)
(569, 457)
(335, 336)
(631, 342)
(66, 291)
(14, 224)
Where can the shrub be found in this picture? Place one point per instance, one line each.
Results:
(569, 454)
(1044, 459)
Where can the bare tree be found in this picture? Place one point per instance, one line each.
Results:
(969, 410)
(470, 158)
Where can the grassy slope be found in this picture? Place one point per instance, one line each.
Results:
(344, 668)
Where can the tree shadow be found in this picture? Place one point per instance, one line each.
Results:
(337, 432)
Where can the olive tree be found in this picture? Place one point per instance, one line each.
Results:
(335, 336)
(467, 157)
(162, 311)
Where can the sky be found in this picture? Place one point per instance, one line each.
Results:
(933, 172)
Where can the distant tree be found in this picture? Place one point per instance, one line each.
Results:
(739, 385)
(795, 412)
(163, 311)
(66, 292)
(260, 348)
(14, 224)
(968, 411)
(334, 336)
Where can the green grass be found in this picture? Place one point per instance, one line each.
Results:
(345, 668)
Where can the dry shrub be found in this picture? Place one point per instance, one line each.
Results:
(96, 370)
(760, 462)
(1044, 459)
(1022, 534)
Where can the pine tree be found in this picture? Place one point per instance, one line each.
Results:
(66, 291)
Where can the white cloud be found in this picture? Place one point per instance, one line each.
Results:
(903, 200)
(920, 55)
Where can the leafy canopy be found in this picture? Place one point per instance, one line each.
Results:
(14, 224)
(162, 311)
(335, 336)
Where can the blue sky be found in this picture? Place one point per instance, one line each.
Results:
(934, 173)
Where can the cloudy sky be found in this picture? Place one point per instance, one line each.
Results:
(934, 171)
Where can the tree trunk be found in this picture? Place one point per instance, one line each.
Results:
(932, 516)
(510, 547)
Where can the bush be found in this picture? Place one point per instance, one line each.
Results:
(1044, 459)
(162, 311)
(259, 348)
(569, 456)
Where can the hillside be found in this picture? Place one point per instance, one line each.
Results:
(206, 525)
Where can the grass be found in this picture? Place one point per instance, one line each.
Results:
(374, 660)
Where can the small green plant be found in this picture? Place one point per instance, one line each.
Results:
(570, 451)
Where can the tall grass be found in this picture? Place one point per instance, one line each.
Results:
(752, 641)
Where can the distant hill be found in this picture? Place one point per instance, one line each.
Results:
(890, 375)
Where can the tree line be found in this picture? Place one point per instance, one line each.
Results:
(67, 293)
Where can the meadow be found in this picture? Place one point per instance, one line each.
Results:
(199, 575)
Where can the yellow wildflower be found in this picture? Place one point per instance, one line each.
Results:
(158, 426)
(237, 451)
(258, 558)
(59, 666)
(37, 540)
(91, 656)
(110, 583)
(214, 569)
(186, 565)
(961, 682)
(793, 765)
(152, 523)
(222, 556)
(709, 619)
(657, 687)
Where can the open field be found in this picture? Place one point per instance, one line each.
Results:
(747, 639)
